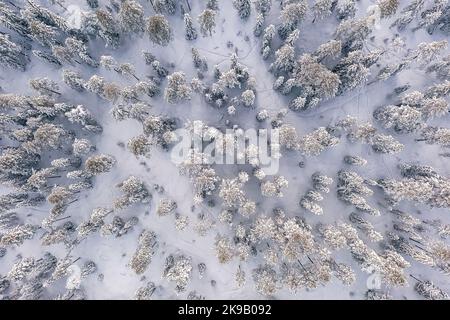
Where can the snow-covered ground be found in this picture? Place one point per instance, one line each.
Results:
(114, 278)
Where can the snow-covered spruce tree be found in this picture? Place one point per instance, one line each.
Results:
(430, 291)
(388, 7)
(73, 79)
(408, 14)
(402, 119)
(258, 28)
(330, 49)
(199, 62)
(11, 54)
(316, 142)
(159, 30)
(351, 188)
(268, 36)
(441, 68)
(243, 8)
(352, 33)
(291, 15)
(165, 6)
(306, 72)
(131, 17)
(45, 86)
(165, 206)
(345, 9)
(42, 33)
(352, 71)
(212, 4)
(265, 278)
(365, 226)
(144, 252)
(190, 31)
(134, 191)
(285, 56)
(99, 164)
(177, 89)
(263, 6)
(322, 9)
(207, 21)
(274, 188)
(108, 28)
(436, 135)
(178, 269)
(427, 51)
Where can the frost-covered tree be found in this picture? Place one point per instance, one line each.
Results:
(408, 14)
(159, 30)
(73, 79)
(45, 86)
(317, 141)
(190, 31)
(265, 278)
(403, 119)
(131, 17)
(178, 269)
(291, 15)
(430, 291)
(243, 7)
(99, 164)
(258, 28)
(285, 56)
(144, 252)
(330, 49)
(263, 6)
(11, 54)
(248, 98)
(388, 7)
(322, 9)
(177, 89)
(134, 191)
(207, 21)
(274, 188)
(314, 78)
(18, 234)
(109, 28)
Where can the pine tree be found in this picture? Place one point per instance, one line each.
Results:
(109, 28)
(144, 252)
(388, 7)
(73, 79)
(330, 49)
(178, 269)
(266, 48)
(291, 15)
(322, 9)
(306, 72)
(99, 164)
(263, 6)
(212, 4)
(177, 89)
(45, 86)
(207, 21)
(11, 54)
(159, 30)
(191, 33)
(42, 33)
(243, 7)
(131, 17)
(258, 28)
